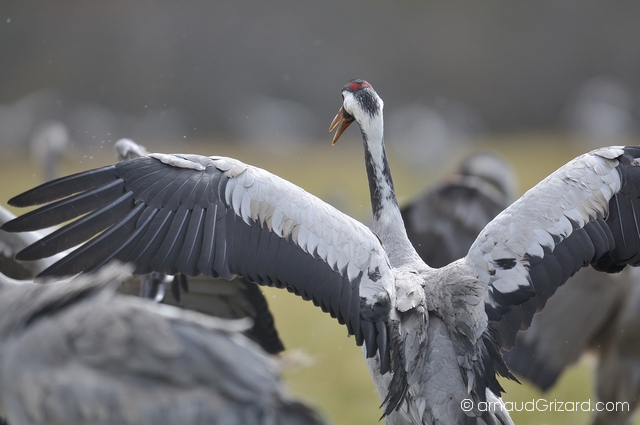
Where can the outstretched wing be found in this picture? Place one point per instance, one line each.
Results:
(584, 213)
(192, 214)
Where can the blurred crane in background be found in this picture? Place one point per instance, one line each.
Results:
(48, 143)
(444, 220)
(77, 353)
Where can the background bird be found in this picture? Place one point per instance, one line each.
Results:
(431, 336)
(444, 220)
(78, 353)
(48, 143)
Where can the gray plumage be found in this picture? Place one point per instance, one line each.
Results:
(432, 337)
(78, 353)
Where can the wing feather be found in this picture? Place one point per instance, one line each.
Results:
(208, 241)
(165, 259)
(193, 240)
(69, 208)
(12, 243)
(128, 245)
(150, 241)
(65, 186)
(85, 257)
(76, 232)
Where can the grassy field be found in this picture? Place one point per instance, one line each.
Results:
(337, 380)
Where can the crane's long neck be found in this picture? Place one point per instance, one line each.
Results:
(387, 220)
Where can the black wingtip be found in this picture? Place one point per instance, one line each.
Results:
(62, 187)
(24, 199)
(27, 254)
(10, 226)
(30, 197)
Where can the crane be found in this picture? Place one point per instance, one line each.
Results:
(431, 337)
(77, 353)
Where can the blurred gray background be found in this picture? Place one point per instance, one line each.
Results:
(271, 71)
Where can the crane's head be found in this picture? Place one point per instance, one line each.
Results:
(360, 103)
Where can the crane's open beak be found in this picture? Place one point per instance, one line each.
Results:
(342, 121)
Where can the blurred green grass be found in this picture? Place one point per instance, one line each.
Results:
(338, 381)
